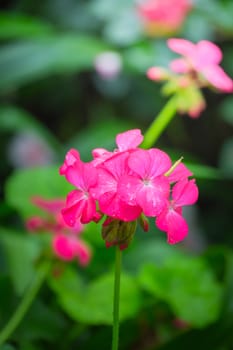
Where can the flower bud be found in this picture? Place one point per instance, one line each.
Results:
(117, 232)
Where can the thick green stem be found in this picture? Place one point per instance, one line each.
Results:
(160, 123)
(115, 335)
(26, 302)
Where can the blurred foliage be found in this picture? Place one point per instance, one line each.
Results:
(172, 297)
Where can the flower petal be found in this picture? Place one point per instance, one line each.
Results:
(207, 53)
(218, 78)
(71, 157)
(182, 46)
(185, 192)
(129, 139)
(179, 173)
(174, 225)
(179, 65)
(64, 247)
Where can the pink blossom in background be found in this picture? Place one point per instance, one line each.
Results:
(28, 149)
(163, 17)
(198, 67)
(125, 186)
(65, 241)
(108, 64)
(202, 58)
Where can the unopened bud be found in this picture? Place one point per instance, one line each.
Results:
(117, 232)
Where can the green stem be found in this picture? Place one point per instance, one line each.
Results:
(25, 304)
(160, 123)
(115, 335)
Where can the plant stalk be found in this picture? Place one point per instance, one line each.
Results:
(160, 123)
(115, 335)
(26, 302)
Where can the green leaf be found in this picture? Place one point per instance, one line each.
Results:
(188, 286)
(93, 303)
(21, 253)
(24, 184)
(204, 171)
(14, 25)
(25, 61)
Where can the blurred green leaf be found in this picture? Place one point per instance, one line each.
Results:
(15, 25)
(21, 253)
(25, 61)
(93, 303)
(204, 171)
(188, 286)
(25, 184)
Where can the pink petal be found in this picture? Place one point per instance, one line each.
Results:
(185, 193)
(174, 225)
(100, 155)
(129, 139)
(149, 164)
(207, 53)
(218, 78)
(64, 247)
(106, 183)
(78, 207)
(179, 173)
(179, 65)
(112, 205)
(152, 198)
(128, 187)
(157, 73)
(82, 175)
(117, 164)
(160, 162)
(182, 46)
(50, 205)
(71, 157)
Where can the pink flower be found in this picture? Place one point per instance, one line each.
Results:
(163, 16)
(66, 243)
(69, 247)
(125, 141)
(71, 157)
(80, 205)
(147, 186)
(170, 220)
(202, 58)
(107, 192)
(126, 185)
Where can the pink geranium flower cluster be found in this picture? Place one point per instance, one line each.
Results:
(66, 243)
(197, 67)
(129, 184)
(163, 17)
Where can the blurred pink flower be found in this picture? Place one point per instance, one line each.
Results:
(163, 17)
(28, 150)
(202, 58)
(66, 243)
(108, 64)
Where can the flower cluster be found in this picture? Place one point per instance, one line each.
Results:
(163, 17)
(128, 184)
(66, 243)
(198, 67)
